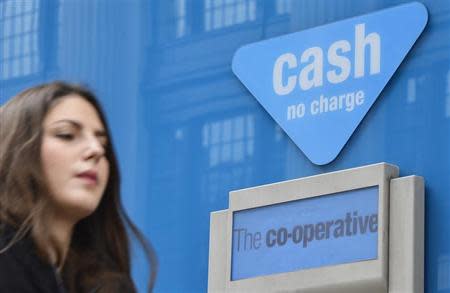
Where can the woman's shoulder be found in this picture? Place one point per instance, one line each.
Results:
(12, 250)
(21, 270)
(109, 282)
(118, 283)
(6, 234)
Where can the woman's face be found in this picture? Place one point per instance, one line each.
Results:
(73, 157)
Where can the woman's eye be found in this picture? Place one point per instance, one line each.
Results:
(65, 136)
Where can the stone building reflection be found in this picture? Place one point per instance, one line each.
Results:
(19, 39)
(27, 44)
(185, 63)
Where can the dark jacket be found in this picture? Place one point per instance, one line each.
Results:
(22, 271)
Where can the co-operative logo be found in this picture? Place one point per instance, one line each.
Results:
(318, 84)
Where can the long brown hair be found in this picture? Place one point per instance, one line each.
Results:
(99, 252)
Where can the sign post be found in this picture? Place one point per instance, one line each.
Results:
(356, 230)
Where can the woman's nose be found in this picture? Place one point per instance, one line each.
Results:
(94, 148)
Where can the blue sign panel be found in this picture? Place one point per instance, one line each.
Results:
(318, 84)
(307, 233)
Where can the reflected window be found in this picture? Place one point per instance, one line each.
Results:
(230, 140)
(19, 50)
(180, 18)
(283, 6)
(228, 145)
(173, 19)
(447, 100)
(411, 91)
(443, 281)
(225, 13)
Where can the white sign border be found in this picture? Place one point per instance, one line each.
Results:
(363, 276)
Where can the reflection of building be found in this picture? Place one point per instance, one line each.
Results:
(186, 60)
(230, 143)
(19, 39)
(311, 13)
(195, 110)
(443, 279)
(447, 106)
(27, 43)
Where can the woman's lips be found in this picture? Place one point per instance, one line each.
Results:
(89, 177)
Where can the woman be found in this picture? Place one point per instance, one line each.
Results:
(62, 225)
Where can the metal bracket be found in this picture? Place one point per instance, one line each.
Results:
(406, 235)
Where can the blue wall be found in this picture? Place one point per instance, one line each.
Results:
(187, 131)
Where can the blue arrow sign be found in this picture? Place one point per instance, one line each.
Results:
(318, 84)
